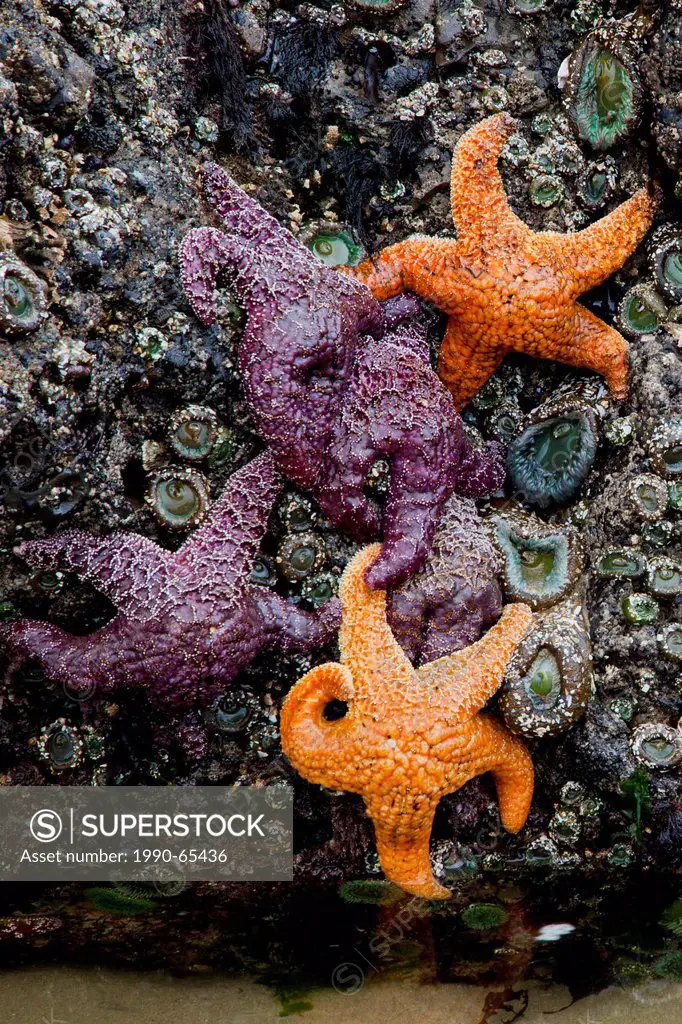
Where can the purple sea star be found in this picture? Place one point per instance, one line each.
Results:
(455, 598)
(188, 621)
(327, 399)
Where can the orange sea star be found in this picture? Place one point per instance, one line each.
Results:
(505, 287)
(408, 736)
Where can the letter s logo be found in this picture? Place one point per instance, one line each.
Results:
(46, 826)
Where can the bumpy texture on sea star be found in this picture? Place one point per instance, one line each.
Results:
(409, 736)
(188, 621)
(455, 596)
(328, 400)
(505, 287)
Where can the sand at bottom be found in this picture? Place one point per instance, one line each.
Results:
(65, 995)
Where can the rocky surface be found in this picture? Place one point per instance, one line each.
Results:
(330, 115)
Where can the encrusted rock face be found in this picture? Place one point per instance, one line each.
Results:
(121, 413)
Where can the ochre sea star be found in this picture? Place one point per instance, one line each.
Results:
(329, 399)
(188, 621)
(505, 287)
(409, 736)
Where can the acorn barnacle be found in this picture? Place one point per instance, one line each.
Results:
(665, 261)
(60, 746)
(300, 555)
(541, 563)
(664, 447)
(331, 244)
(603, 93)
(550, 459)
(649, 496)
(179, 498)
(641, 311)
(193, 431)
(549, 678)
(657, 745)
(22, 298)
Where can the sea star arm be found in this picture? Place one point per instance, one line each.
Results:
(466, 361)
(367, 644)
(317, 748)
(480, 208)
(290, 628)
(127, 567)
(481, 470)
(243, 216)
(409, 523)
(387, 273)
(85, 663)
(225, 546)
(592, 255)
(204, 253)
(404, 851)
(596, 346)
(469, 678)
(512, 768)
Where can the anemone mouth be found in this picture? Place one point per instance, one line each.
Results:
(549, 460)
(664, 447)
(537, 569)
(179, 498)
(549, 678)
(603, 92)
(657, 745)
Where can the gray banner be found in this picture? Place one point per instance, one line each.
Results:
(146, 833)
